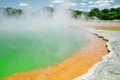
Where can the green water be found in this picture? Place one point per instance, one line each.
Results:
(32, 49)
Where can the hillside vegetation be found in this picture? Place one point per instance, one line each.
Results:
(11, 11)
(105, 14)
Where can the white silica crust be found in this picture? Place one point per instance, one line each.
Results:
(109, 67)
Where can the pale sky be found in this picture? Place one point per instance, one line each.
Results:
(83, 5)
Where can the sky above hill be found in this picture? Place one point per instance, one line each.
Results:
(82, 5)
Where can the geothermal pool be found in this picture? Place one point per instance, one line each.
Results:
(109, 67)
(28, 49)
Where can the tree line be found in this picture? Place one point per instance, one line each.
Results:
(11, 11)
(105, 14)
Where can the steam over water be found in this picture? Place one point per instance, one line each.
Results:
(109, 67)
(37, 40)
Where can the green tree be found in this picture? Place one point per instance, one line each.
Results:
(105, 10)
(93, 12)
(13, 12)
(77, 13)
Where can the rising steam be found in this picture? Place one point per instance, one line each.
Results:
(39, 39)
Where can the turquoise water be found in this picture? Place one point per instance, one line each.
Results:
(25, 50)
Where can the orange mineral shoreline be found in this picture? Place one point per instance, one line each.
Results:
(105, 25)
(72, 67)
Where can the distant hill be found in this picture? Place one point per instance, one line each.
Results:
(105, 14)
(11, 11)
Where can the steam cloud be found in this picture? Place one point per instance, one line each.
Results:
(39, 34)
